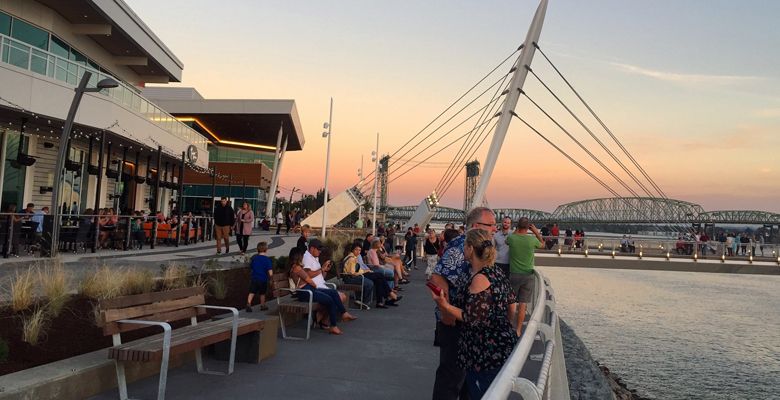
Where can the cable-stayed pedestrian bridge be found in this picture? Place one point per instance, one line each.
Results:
(609, 211)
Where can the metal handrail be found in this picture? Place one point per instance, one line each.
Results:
(204, 225)
(58, 68)
(543, 322)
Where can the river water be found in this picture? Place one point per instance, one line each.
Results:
(678, 335)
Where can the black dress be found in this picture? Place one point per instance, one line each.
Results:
(487, 337)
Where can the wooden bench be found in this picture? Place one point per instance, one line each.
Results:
(128, 313)
(282, 290)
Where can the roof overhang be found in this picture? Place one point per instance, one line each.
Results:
(249, 124)
(115, 27)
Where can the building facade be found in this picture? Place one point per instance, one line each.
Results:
(125, 151)
(247, 139)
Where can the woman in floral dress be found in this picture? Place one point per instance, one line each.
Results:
(482, 307)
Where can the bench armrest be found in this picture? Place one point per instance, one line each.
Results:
(166, 329)
(166, 326)
(231, 309)
(330, 285)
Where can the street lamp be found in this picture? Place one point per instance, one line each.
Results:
(375, 160)
(82, 88)
(326, 134)
(360, 185)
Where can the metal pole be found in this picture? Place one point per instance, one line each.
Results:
(529, 48)
(98, 187)
(63, 152)
(3, 150)
(157, 181)
(213, 189)
(181, 201)
(327, 168)
(376, 183)
(156, 198)
(230, 188)
(269, 207)
(121, 179)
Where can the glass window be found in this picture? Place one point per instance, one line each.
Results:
(77, 57)
(18, 54)
(38, 62)
(5, 24)
(59, 48)
(13, 180)
(29, 34)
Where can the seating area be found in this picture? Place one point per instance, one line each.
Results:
(353, 365)
(162, 309)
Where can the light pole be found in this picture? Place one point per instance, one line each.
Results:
(375, 159)
(360, 184)
(63, 151)
(326, 134)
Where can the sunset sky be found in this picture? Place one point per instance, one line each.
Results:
(692, 88)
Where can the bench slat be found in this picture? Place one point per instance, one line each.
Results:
(112, 315)
(111, 328)
(148, 298)
(184, 339)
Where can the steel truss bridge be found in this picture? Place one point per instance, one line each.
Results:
(623, 210)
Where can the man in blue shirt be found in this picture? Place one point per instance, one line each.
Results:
(450, 274)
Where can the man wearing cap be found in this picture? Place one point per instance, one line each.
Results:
(311, 263)
(223, 220)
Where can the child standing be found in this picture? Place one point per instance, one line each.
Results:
(262, 270)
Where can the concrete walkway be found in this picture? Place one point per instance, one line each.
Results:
(385, 354)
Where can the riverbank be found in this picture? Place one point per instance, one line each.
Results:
(709, 265)
(589, 379)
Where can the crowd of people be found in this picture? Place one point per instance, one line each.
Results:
(482, 285)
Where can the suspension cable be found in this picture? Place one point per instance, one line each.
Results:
(444, 135)
(581, 146)
(501, 90)
(593, 135)
(453, 104)
(475, 149)
(603, 125)
(583, 168)
(438, 151)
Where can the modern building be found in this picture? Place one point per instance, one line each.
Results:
(244, 138)
(122, 144)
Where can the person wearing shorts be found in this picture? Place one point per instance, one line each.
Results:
(521, 265)
(262, 270)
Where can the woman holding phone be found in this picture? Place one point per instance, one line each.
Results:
(487, 337)
(326, 298)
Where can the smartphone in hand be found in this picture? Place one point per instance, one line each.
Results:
(435, 289)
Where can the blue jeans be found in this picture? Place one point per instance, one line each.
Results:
(368, 286)
(479, 382)
(327, 298)
(389, 274)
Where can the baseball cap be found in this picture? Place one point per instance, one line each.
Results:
(316, 244)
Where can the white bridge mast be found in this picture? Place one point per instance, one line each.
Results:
(518, 79)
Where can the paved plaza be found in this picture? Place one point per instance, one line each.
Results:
(384, 354)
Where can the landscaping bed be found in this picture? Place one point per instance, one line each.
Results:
(74, 331)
